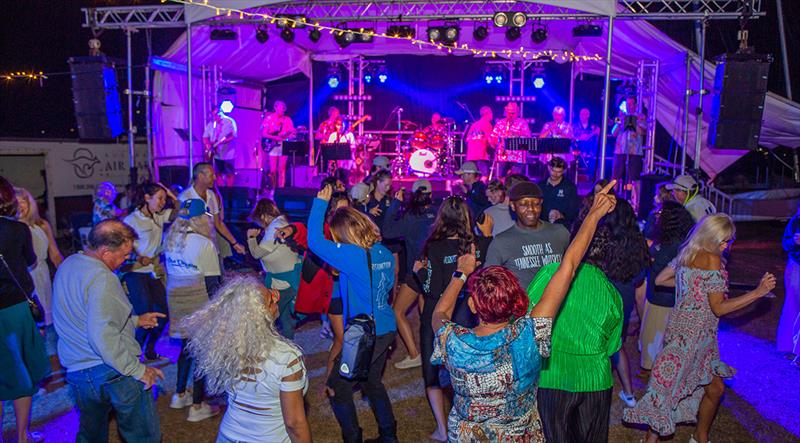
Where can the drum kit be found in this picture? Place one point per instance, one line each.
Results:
(426, 154)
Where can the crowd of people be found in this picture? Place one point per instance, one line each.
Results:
(525, 292)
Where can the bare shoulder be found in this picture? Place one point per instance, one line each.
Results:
(707, 262)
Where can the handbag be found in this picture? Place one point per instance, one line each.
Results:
(33, 302)
(359, 339)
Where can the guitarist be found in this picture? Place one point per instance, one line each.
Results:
(219, 148)
(478, 149)
(276, 128)
(327, 127)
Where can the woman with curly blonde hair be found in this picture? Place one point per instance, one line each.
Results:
(237, 350)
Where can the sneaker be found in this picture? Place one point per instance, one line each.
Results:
(180, 401)
(408, 363)
(629, 400)
(692, 440)
(203, 412)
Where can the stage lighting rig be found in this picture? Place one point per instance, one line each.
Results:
(513, 34)
(539, 34)
(261, 34)
(513, 19)
(383, 74)
(518, 19)
(226, 106)
(501, 19)
(434, 33)
(314, 35)
(446, 35)
(402, 31)
(287, 35)
(289, 21)
(480, 33)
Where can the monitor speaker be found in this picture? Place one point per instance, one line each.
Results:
(740, 87)
(295, 202)
(96, 98)
(238, 202)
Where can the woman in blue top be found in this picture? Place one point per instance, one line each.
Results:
(364, 291)
(494, 367)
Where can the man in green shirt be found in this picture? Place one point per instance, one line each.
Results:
(576, 382)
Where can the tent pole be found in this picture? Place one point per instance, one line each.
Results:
(571, 90)
(686, 96)
(698, 135)
(133, 178)
(147, 117)
(606, 95)
(311, 115)
(787, 80)
(189, 92)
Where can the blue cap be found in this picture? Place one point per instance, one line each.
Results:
(192, 208)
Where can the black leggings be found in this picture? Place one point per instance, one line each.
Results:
(574, 416)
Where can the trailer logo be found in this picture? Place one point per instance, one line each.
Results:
(83, 162)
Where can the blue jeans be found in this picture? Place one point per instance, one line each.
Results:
(99, 390)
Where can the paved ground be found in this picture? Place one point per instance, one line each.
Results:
(762, 403)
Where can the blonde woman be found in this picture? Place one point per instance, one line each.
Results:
(191, 260)
(44, 246)
(238, 351)
(686, 382)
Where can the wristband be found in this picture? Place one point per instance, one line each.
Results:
(461, 276)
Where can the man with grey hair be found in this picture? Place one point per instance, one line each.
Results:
(97, 344)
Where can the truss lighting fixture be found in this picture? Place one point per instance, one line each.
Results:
(383, 74)
(480, 33)
(434, 33)
(493, 75)
(538, 81)
(513, 34)
(501, 19)
(447, 35)
(290, 21)
(402, 31)
(539, 34)
(518, 19)
(287, 34)
(368, 78)
(226, 106)
(334, 77)
(261, 34)
(314, 35)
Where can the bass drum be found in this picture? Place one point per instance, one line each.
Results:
(423, 162)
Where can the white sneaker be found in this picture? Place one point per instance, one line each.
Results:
(180, 401)
(630, 400)
(203, 412)
(692, 440)
(408, 363)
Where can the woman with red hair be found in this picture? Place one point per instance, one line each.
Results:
(494, 367)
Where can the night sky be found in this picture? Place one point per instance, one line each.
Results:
(42, 34)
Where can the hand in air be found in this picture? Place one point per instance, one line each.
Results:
(604, 201)
(487, 225)
(325, 193)
(767, 284)
(467, 262)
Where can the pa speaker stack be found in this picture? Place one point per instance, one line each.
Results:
(740, 87)
(96, 98)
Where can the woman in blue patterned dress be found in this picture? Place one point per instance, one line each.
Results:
(494, 367)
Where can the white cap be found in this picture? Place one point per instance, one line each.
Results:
(468, 168)
(683, 183)
(423, 185)
(359, 192)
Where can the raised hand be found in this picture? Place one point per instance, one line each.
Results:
(325, 193)
(604, 201)
(767, 284)
(487, 225)
(467, 262)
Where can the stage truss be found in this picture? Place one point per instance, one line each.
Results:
(172, 16)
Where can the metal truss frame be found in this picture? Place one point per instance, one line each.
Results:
(406, 11)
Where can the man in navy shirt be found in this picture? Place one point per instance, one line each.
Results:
(473, 187)
(561, 200)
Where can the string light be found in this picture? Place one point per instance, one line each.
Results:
(463, 48)
(24, 75)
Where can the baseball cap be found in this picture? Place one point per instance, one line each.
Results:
(359, 192)
(524, 190)
(468, 168)
(380, 161)
(423, 185)
(192, 208)
(682, 183)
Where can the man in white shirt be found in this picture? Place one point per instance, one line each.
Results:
(686, 191)
(202, 181)
(218, 141)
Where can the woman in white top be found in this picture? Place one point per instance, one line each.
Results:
(237, 349)
(145, 290)
(191, 258)
(44, 245)
(281, 264)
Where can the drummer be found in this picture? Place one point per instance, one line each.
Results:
(436, 132)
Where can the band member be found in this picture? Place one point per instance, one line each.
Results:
(340, 134)
(586, 135)
(511, 126)
(326, 128)
(218, 142)
(629, 129)
(558, 128)
(478, 141)
(436, 132)
(276, 128)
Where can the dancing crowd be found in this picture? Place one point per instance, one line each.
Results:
(525, 293)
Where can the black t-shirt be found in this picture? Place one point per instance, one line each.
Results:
(16, 246)
(442, 262)
(382, 203)
(476, 198)
(662, 255)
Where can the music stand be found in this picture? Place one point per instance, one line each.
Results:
(184, 135)
(295, 149)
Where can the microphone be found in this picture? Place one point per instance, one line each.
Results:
(399, 109)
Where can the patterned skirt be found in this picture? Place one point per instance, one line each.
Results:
(185, 296)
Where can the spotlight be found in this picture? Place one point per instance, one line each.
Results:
(289, 21)
(368, 78)
(333, 77)
(287, 34)
(383, 74)
(538, 82)
(314, 35)
(480, 33)
(365, 35)
(262, 35)
(226, 106)
(403, 31)
(343, 37)
(498, 78)
(539, 35)
(501, 19)
(513, 34)
(434, 33)
(519, 19)
(333, 82)
(450, 35)
(489, 78)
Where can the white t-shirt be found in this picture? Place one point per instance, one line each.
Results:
(275, 257)
(150, 231)
(199, 257)
(216, 131)
(243, 423)
(699, 207)
(212, 203)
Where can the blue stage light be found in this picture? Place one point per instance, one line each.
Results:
(623, 107)
(538, 82)
(498, 78)
(367, 78)
(382, 77)
(333, 81)
(226, 106)
(489, 78)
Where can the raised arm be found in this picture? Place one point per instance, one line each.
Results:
(557, 288)
(338, 255)
(444, 307)
(722, 306)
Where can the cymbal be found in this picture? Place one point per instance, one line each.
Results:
(447, 120)
(408, 124)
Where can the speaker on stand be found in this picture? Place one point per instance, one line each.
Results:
(95, 95)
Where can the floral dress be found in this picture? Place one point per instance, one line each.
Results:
(495, 379)
(690, 357)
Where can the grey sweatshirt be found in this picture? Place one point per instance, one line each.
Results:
(93, 318)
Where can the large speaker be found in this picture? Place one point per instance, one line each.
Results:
(295, 202)
(238, 202)
(740, 86)
(96, 98)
